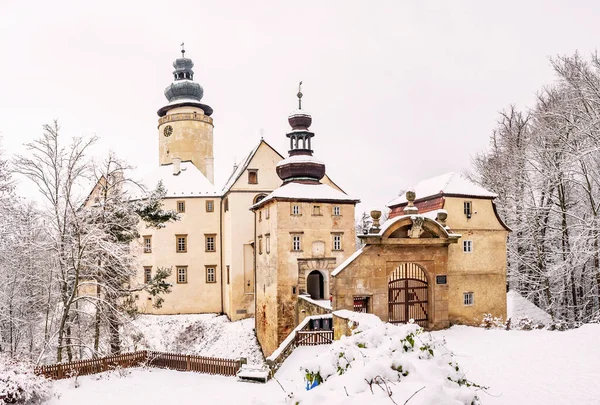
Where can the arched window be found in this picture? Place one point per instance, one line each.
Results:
(258, 198)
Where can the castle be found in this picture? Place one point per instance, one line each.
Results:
(277, 242)
(210, 250)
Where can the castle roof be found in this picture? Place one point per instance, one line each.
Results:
(243, 165)
(189, 182)
(306, 192)
(448, 184)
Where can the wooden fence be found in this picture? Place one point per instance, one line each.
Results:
(183, 362)
(172, 361)
(313, 337)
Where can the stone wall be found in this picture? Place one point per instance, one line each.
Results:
(342, 327)
(306, 308)
(281, 273)
(192, 139)
(368, 275)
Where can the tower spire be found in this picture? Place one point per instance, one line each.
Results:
(183, 49)
(300, 95)
(300, 166)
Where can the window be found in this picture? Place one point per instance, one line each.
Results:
(468, 209)
(296, 243)
(258, 198)
(337, 242)
(468, 298)
(181, 274)
(180, 206)
(210, 206)
(181, 243)
(337, 211)
(259, 215)
(210, 243)
(361, 304)
(147, 244)
(147, 274)
(227, 274)
(211, 274)
(268, 243)
(295, 210)
(316, 210)
(252, 176)
(267, 213)
(260, 245)
(226, 205)
(467, 246)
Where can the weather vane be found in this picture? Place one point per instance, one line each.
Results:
(300, 95)
(182, 50)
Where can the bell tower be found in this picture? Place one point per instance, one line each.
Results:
(185, 128)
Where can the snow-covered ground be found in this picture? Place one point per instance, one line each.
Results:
(530, 367)
(202, 334)
(520, 367)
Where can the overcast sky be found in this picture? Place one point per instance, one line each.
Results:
(399, 91)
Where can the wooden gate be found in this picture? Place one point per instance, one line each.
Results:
(407, 295)
(313, 338)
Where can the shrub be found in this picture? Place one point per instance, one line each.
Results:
(18, 383)
(492, 322)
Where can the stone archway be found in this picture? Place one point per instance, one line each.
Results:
(323, 265)
(408, 295)
(315, 285)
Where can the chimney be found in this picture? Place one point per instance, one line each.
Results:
(176, 166)
(209, 164)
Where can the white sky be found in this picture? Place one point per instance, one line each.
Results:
(399, 91)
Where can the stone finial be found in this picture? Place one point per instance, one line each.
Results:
(375, 228)
(410, 208)
(441, 217)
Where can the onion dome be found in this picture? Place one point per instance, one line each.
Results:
(300, 166)
(184, 91)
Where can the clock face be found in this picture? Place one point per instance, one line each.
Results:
(168, 131)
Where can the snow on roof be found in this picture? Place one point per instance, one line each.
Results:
(347, 262)
(190, 182)
(448, 183)
(306, 192)
(239, 169)
(518, 306)
(243, 165)
(298, 112)
(299, 159)
(387, 224)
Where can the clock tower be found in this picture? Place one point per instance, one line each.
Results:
(185, 128)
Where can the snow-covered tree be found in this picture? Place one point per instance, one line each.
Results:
(545, 166)
(113, 216)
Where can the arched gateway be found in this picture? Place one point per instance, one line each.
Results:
(407, 295)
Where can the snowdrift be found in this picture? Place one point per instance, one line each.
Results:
(201, 334)
(382, 361)
(518, 306)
